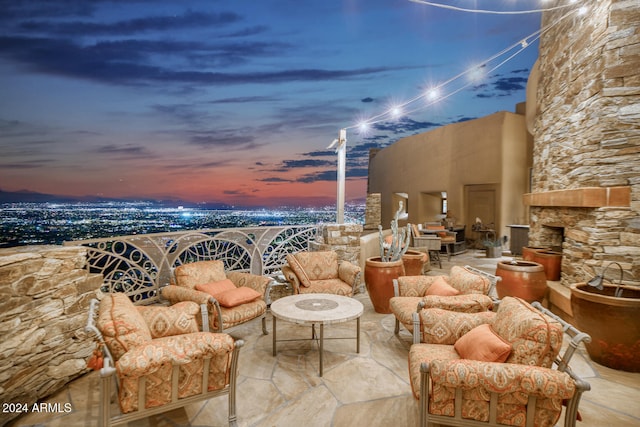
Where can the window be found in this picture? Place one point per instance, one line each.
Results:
(444, 203)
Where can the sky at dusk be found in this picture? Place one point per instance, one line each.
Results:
(235, 101)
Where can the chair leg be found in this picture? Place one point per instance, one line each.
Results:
(397, 328)
(264, 325)
(435, 255)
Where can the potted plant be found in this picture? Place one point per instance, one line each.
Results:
(493, 245)
(608, 312)
(380, 271)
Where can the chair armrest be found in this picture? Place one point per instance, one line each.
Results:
(438, 326)
(253, 281)
(291, 277)
(467, 303)
(502, 378)
(349, 273)
(415, 286)
(208, 304)
(177, 294)
(176, 350)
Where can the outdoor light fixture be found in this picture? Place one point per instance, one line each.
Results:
(597, 281)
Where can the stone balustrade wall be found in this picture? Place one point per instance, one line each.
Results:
(44, 299)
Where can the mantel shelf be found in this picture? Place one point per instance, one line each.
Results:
(585, 197)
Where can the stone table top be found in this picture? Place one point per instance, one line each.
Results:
(317, 308)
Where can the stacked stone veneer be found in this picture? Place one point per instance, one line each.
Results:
(44, 299)
(373, 209)
(587, 134)
(342, 238)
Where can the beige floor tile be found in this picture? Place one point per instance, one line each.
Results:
(370, 388)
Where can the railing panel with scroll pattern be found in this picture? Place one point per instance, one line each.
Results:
(140, 265)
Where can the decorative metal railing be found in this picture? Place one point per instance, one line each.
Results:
(140, 265)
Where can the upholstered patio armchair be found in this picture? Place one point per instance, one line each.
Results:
(465, 289)
(494, 368)
(159, 359)
(227, 298)
(321, 272)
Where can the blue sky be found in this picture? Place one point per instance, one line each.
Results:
(235, 101)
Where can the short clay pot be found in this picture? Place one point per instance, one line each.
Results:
(523, 279)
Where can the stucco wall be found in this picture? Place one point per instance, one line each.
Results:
(489, 150)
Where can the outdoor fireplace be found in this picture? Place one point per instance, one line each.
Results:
(582, 110)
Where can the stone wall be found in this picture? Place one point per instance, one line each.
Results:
(44, 299)
(373, 211)
(587, 134)
(342, 238)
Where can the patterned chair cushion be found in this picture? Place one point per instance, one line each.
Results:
(121, 324)
(513, 383)
(155, 361)
(319, 265)
(328, 286)
(439, 326)
(468, 282)
(419, 353)
(194, 273)
(232, 316)
(535, 338)
(415, 286)
(295, 265)
(403, 308)
(175, 320)
(470, 303)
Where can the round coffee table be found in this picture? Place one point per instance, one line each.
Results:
(321, 309)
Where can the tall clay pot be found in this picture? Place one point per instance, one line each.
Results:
(551, 261)
(378, 278)
(414, 262)
(612, 322)
(523, 279)
(528, 252)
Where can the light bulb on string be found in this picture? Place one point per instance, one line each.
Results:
(432, 94)
(396, 112)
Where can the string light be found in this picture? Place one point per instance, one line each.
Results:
(494, 12)
(433, 95)
(474, 75)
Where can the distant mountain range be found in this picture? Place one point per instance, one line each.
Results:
(26, 196)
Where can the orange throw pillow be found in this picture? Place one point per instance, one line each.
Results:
(216, 288)
(441, 288)
(237, 296)
(482, 344)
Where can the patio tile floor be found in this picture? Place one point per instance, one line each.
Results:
(370, 388)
